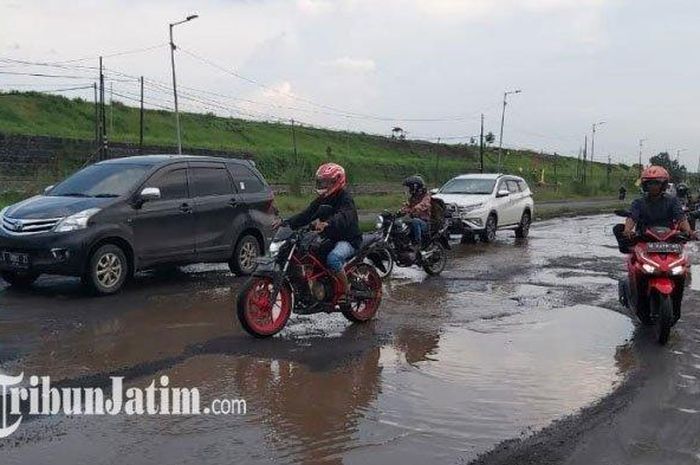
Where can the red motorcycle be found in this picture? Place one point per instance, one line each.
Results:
(658, 269)
(294, 278)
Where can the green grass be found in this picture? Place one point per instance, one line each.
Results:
(367, 158)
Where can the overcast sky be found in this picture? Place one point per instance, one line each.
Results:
(360, 64)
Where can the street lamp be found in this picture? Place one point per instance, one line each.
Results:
(594, 126)
(503, 119)
(172, 60)
(678, 153)
(641, 143)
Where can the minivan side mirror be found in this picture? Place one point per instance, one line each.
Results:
(47, 189)
(503, 193)
(324, 212)
(434, 191)
(148, 194)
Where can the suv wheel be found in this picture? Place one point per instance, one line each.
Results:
(20, 279)
(107, 270)
(244, 255)
(489, 234)
(524, 229)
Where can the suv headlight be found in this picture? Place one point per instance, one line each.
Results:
(76, 221)
(470, 208)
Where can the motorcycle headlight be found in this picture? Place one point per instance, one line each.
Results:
(677, 270)
(380, 222)
(275, 248)
(76, 221)
(649, 269)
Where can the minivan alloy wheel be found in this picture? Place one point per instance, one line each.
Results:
(248, 253)
(109, 270)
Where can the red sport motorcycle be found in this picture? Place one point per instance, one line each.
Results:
(293, 277)
(658, 270)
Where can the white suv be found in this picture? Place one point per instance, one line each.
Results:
(485, 203)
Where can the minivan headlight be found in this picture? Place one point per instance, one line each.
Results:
(3, 211)
(76, 221)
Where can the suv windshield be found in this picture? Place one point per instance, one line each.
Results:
(468, 186)
(108, 180)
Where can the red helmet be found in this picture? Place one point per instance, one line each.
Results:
(655, 173)
(330, 178)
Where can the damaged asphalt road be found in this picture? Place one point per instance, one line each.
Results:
(517, 354)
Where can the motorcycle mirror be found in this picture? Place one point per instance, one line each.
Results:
(624, 213)
(324, 212)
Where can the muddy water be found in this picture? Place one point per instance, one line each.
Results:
(513, 336)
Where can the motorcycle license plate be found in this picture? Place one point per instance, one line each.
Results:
(664, 247)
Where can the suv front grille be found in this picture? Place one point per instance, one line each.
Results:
(16, 226)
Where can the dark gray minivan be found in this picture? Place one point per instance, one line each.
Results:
(119, 216)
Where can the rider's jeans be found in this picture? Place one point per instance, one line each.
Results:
(418, 228)
(339, 255)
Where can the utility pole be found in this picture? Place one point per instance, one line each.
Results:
(594, 126)
(481, 146)
(294, 141)
(97, 117)
(141, 119)
(585, 153)
(437, 161)
(641, 167)
(111, 110)
(609, 169)
(103, 117)
(172, 62)
(503, 120)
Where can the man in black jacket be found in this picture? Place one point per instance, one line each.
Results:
(341, 228)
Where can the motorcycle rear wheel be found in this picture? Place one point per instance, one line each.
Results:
(363, 278)
(257, 314)
(435, 264)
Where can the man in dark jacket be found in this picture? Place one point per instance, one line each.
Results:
(341, 229)
(656, 208)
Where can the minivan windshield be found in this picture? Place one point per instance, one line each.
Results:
(468, 186)
(108, 180)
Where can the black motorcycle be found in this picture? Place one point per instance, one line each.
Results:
(396, 246)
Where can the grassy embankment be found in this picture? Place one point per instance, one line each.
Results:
(367, 158)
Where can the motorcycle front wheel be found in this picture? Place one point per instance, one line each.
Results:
(664, 317)
(365, 293)
(382, 260)
(435, 263)
(259, 316)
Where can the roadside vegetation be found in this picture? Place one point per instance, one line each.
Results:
(367, 158)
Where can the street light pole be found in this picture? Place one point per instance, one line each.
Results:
(172, 61)
(594, 126)
(641, 143)
(503, 119)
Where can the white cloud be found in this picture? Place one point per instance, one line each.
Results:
(354, 65)
(314, 7)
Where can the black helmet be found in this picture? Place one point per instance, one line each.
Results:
(682, 189)
(415, 185)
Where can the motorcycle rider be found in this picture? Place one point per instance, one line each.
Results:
(341, 230)
(656, 208)
(682, 192)
(622, 192)
(417, 207)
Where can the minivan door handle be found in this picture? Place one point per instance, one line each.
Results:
(185, 208)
